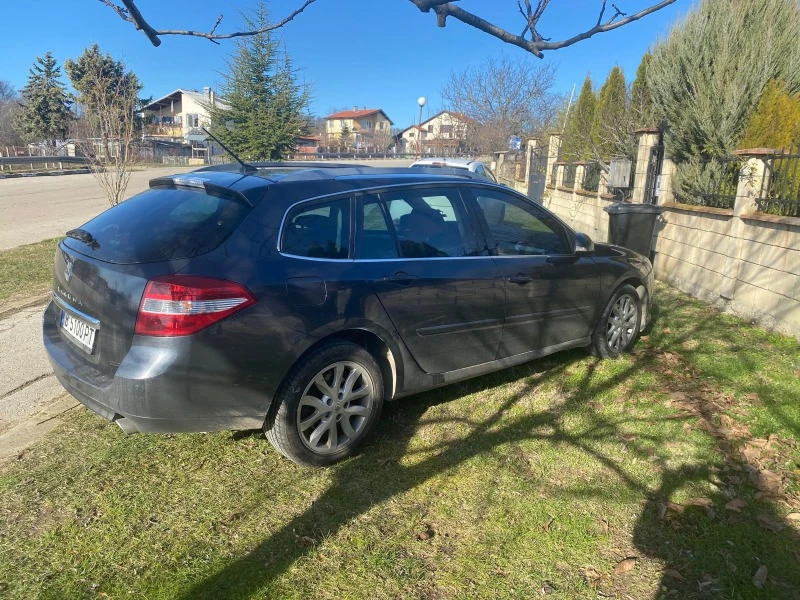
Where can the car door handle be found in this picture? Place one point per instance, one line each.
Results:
(519, 279)
(401, 278)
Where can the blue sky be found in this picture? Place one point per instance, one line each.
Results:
(375, 53)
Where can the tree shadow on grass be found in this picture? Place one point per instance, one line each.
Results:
(693, 542)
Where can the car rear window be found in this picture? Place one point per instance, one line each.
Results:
(162, 224)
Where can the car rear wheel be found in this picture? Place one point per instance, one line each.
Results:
(618, 327)
(327, 406)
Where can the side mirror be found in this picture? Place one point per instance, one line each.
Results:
(584, 246)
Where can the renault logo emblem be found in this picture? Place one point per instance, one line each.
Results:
(68, 271)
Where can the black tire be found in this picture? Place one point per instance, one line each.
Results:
(298, 411)
(615, 319)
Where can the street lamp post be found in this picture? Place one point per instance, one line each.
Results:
(421, 101)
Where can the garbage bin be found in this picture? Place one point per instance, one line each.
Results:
(632, 225)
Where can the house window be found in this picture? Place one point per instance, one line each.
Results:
(364, 124)
(193, 120)
(381, 125)
(411, 134)
(446, 129)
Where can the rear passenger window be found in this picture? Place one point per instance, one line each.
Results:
(377, 240)
(318, 230)
(429, 223)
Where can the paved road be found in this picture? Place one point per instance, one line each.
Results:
(37, 208)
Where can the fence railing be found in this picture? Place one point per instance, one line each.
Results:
(711, 183)
(570, 170)
(591, 177)
(780, 194)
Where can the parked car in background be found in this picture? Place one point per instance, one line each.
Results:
(299, 300)
(474, 166)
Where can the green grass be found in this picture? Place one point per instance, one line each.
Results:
(27, 270)
(542, 476)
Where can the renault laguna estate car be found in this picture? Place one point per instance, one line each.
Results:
(298, 301)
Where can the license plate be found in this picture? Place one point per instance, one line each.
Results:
(78, 330)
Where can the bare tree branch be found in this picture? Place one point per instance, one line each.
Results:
(132, 14)
(122, 12)
(530, 39)
(537, 45)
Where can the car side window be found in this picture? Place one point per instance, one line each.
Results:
(519, 228)
(318, 230)
(376, 236)
(430, 222)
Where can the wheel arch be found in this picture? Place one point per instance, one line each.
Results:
(389, 359)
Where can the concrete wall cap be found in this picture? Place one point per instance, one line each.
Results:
(648, 130)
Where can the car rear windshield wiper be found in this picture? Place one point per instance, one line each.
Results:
(82, 236)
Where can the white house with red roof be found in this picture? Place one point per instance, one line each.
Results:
(364, 125)
(441, 134)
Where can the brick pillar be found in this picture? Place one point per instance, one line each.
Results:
(553, 151)
(753, 178)
(647, 139)
(580, 171)
(667, 194)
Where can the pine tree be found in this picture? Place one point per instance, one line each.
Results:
(643, 113)
(264, 108)
(102, 81)
(44, 113)
(775, 123)
(609, 126)
(708, 75)
(578, 141)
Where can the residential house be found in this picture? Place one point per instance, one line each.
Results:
(178, 118)
(443, 134)
(365, 129)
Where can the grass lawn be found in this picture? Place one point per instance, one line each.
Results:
(26, 270)
(672, 472)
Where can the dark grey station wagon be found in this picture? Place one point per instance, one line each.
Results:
(297, 300)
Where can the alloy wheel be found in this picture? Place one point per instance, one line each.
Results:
(335, 407)
(621, 324)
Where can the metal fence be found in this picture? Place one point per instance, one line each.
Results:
(781, 194)
(710, 183)
(591, 177)
(570, 170)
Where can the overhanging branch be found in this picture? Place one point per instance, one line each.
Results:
(130, 12)
(530, 39)
(537, 44)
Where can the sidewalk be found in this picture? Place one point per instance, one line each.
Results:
(27, 384)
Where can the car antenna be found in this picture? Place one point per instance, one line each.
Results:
(245, 167)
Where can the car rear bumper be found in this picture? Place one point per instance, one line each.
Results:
(157, 388)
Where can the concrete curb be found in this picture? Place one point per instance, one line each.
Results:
(15, 307)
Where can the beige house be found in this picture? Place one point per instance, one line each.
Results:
(367, 127)
(178, 116)
(442, 134)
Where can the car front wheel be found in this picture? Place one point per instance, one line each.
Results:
(328, 405)
(618, 327)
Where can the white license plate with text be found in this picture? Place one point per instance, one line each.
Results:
(79, 330)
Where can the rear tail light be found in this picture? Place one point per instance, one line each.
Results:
(175, 305)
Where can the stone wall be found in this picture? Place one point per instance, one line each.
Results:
(740, 260)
